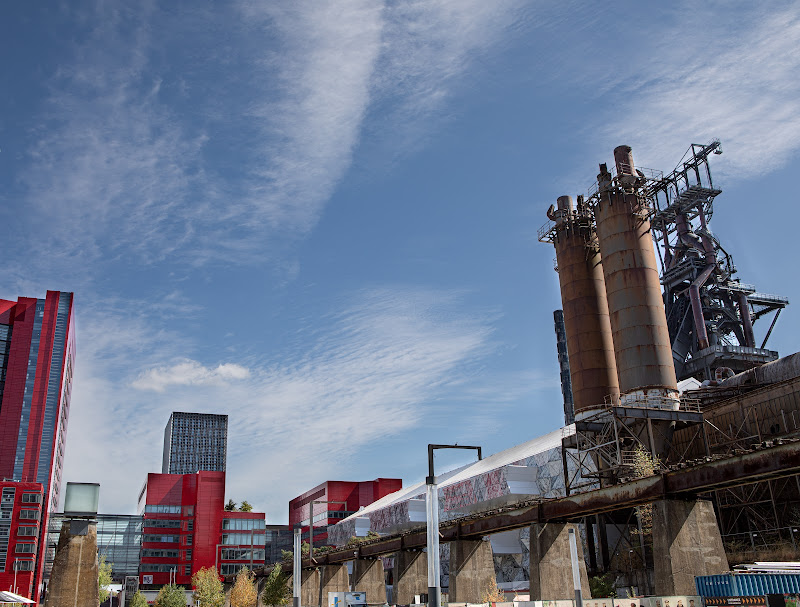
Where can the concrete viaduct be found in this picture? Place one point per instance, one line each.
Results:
(685, 534)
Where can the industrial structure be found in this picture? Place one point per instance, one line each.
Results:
(721, 459)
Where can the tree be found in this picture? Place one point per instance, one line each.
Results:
(244, 593)
(171, 596)
(276, 587)
(230, 506)
(104, 578)
(491, 593)
(208, 588)
(245, 507)
(138, 600)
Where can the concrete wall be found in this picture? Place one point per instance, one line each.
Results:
(686, 543)
(368, 577)
(551, 564)
(471, 570)
(410, 576)
(73, 582)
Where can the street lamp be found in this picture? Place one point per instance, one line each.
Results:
(311, 523)
(311, 536)
(297, 566)
(432, 520)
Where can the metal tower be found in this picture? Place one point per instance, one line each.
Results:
(710, 314)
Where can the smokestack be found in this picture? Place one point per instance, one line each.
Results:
(586, 317)
(638, 321)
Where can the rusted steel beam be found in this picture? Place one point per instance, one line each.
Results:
(768, 463)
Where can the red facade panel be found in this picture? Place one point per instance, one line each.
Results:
(22, 568)
(43, 435)
(194, 500)
(354, 494)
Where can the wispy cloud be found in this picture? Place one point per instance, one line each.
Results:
(376, 369)
(234, 156)
(742, 88)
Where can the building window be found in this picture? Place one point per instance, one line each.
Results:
(27, 531)
(25, 548)
(29, 514)
(23, 565)
(187, 570)
(31, 498)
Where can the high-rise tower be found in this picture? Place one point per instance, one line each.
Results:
(37, 354)
(195, 442)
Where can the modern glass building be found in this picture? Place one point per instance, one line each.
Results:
(119, 539)
(195, 442)
(37, 353)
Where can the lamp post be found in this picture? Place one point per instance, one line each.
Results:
(311, 523)
(432, 520)
(297, 566)
(311, 537)
(576, 571)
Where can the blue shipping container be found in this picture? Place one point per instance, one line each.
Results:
(747, 584)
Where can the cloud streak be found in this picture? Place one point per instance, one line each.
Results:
(377, 368)
(742, 89)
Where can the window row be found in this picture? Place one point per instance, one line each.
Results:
(31, 498)
(25, 548)
(148, 552)
(163, 509)
(28, 531)
(243, 523)
(157, 568)
(167, 523)
(242, 554)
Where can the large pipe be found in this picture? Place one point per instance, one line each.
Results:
(638, 321)
(586, 319)
(747, 321)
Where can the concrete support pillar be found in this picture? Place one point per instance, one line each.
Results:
(368, 577)
(410, 576)
(74, 577)
(686, 543)
(551, 565)
(309, 588)
(471, 570)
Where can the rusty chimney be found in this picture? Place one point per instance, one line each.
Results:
(583, 296)
(638, 321)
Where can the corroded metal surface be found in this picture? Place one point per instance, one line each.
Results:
(641, 339)
(586, 320)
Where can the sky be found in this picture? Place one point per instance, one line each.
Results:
(320, 218)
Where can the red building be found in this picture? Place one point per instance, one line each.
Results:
(186, 528)
(21, 508)
(353, 494)
(37, 353)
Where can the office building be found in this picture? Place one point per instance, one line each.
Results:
(334, 501)
(195, 442)
(186, 528)
(37, 354)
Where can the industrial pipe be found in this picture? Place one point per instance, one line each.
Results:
(747, 321)
(697, 306)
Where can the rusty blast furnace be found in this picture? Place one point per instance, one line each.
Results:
(625, 338)
(586, 319)
(638, 321)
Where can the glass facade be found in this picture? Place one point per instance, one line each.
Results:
(194, 442)
(119, 539)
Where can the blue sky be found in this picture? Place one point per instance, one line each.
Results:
(320, 218)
